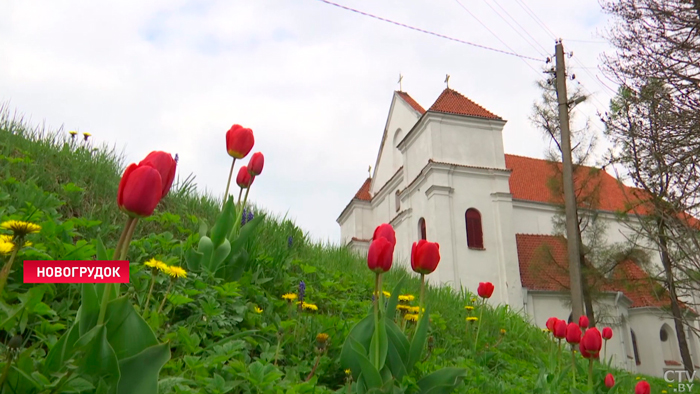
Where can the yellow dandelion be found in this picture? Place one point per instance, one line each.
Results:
(411, 317)
(406, 298)
(664, 391)
(289, 297)
(472, 318)
(473, 299)
(87, 134)
(415, 309)
(545, 330)
(404, 308)
(177, 272)
(307, 306)
(348, 371)
(322, 338)
(72, 132)
(20, 228)
(469, 308)
(258, 310)
(503, 331)
(6, 247)
(159, 265)
(670, 385)
(386, 294)
(638, 378)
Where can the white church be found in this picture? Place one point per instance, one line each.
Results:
(441, 174)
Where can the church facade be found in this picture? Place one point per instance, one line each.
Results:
(442, 174)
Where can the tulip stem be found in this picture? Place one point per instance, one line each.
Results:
(590, 374)
(478, 327)
(239, 217)
(605, 352)
(573, 365)
(375, 339)
(422, 295)
(228, 184)
(240, 194)
(125, 238)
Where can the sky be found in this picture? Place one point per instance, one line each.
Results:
(313, 81)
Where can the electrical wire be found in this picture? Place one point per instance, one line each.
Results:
(430, 32)
(527, 9)
(519, 25)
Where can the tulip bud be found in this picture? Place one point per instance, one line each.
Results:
(485, 289)
(607, 333)
(573, 333)
(140, 190)
(164, 163)
(244, 180)
(425, 256)
(550, 323)
(592, 342)
(560, 329)
(385, 230)
(239, 141)
(642, 387)
(255, 166)
(583, 321)
(380, 255)
(609, 380)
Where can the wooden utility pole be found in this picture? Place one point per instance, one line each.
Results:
(569, 194)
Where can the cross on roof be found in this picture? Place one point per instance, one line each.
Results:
(400, 85)
(447, 80)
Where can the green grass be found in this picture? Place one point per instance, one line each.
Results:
(70, 188)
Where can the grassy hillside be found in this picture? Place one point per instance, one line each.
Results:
(240, 336)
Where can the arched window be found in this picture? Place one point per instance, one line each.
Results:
(398, 159)
(635, 349)
(398, 201)
(475, 237)
(421, 228)
(667, 345)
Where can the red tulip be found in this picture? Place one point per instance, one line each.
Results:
(560, 329)
(165, 164)
(380, 255)
(140, 190)
(609, 380)
(425, 256)
(550, 323)
(244, 179)
(485, 289)
(642, 388)
(385, 230)
(591, 342)
(573, 333)
(607, 333)
(239, 141)
(255, 166)
(583, 321)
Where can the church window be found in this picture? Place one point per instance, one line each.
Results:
(667, 346)
(475, 237)
(421, 228)
(398, 201)
(635, 349)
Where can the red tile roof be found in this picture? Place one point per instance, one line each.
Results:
(363, 193)
(410, 101)
(543, 261)
(452, 102)
(531, 179)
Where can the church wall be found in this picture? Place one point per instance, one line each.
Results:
(401, 119)
(417, 151)
(647, 326)
(348, 228)
(467, 141)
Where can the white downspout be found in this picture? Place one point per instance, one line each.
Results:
(623, 335)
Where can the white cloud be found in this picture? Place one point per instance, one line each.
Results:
(312, 80)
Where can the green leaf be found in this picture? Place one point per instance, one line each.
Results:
(397, 352)
(128, 333)
(394, 299)
(379, 346)
(139, 374)
(362, 333)
(98, 358)
(194, 260)
(223, 224)
(246, 232)
(220, 254)
(89, 308)
(233, 270)
(100, 250)
(369, 372)
(62, 351)
(206, 248)
(443, 381)
(178, 299)
(418, 342)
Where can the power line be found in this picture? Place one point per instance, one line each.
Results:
(430, 32)
(527, 9)
(494, 34)
(521, 27)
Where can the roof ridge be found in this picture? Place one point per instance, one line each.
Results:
(460, 105)
(410, 101)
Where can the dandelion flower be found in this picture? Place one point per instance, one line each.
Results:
(664, 391)
(469, 308)
(322, 338)
(411, 317)
(348, 371)
(386, 294)
(473, 299)
(159, 265)
(20, 228)
(406, 298)
(503, 331)
(307, 306)
(6, 247)
(415, 309)
(472, 318)
(404, 308)
(289, 297)
(72, 132)
(10, 240)
(177, 272)
(638, 378)
(258, 310)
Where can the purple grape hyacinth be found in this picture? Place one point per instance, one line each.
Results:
(302, 291)
(247, 216)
